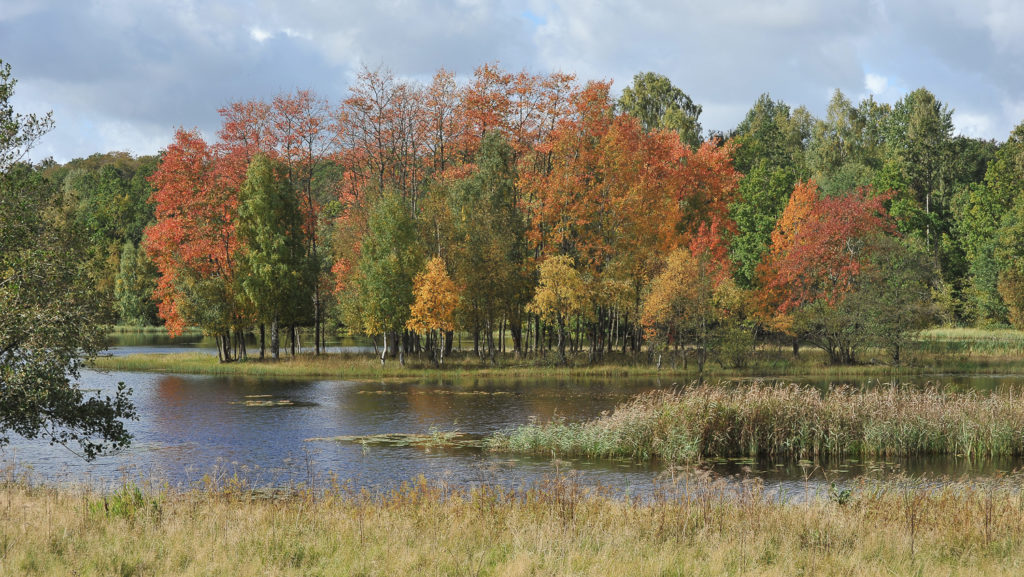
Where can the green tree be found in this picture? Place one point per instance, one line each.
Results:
(895, 289)
(489, 252)
(274, 271)
(391, 257)
(658, 104)
(49, 318)
(763, 194)
(133, 290)
(773, 133)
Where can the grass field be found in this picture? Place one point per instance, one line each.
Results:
(694, 525)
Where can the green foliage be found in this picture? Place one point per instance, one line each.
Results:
(896, 290)
(1005, 180)
(273, 269)
(49, 316)
(773, 133)
(847, 146)
(390, 259)
(109, 198)
(489, 234)
(979, 210)
(18, 133)
(133, 291)
(658, 104)
(763, 193)
(127, 502)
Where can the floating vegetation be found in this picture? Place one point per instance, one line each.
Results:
(432, 440)
(436, 392)
(269, 401)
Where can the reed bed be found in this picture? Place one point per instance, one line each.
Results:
(786, 421)
(693, 525)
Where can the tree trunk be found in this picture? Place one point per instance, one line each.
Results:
(263, 341)
(384, 351)
(316, 315)
(241, 346)
(561, 339)
(275, 340)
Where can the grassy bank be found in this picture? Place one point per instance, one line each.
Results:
(149, 330)
(787, 421)
(810, 364)
(698, 526)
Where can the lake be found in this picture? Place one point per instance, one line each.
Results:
(264, 429)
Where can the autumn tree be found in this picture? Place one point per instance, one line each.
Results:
(819, 248)
(561, 293)
(193, 240)
(687, 300)
(436, 298)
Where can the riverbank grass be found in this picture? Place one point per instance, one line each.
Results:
(695, 526)
(786, 421)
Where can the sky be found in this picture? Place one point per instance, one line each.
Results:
(125, 74)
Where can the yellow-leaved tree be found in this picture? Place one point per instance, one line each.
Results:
(690, 297)
(561, 293)
(433, 311)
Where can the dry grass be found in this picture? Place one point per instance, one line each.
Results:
(693, 526)
(781, 420)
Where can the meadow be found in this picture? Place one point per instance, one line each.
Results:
(694, 524)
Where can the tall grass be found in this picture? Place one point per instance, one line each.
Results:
(782, 420)
(696, 525)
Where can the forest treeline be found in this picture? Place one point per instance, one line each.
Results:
(535, 213)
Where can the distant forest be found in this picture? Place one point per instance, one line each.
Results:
(538, 208)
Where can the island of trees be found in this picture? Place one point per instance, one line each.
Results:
(537, 214)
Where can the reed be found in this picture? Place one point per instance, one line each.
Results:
(693, 524)
(786, 421)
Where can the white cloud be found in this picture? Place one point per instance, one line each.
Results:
(259, 35)
(974, 125)
(165, 63)
(875, 83)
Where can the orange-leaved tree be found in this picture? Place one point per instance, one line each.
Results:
(193, 240)
(819, 248)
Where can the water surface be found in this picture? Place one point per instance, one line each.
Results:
(260, 428)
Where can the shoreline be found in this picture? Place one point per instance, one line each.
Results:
(363, 366)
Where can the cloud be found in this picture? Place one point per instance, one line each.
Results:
(875, 83)
(121, 71)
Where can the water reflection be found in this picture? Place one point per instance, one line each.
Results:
(120, 344)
